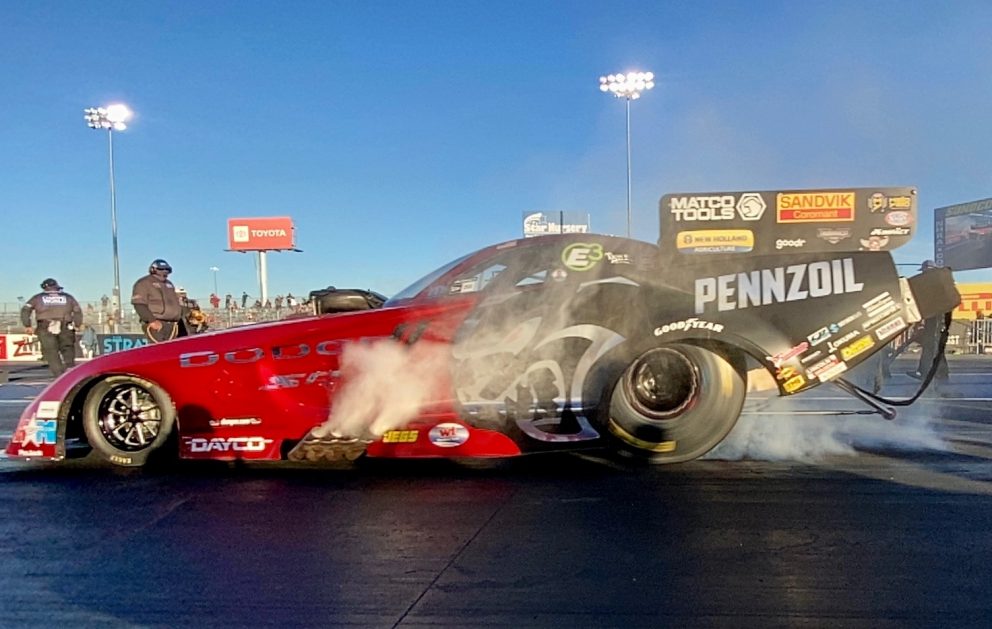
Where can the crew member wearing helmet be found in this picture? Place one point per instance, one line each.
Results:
(155, 300)
(58, 315)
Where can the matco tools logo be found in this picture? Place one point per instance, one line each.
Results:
(717, 207)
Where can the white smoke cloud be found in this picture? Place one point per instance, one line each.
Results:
(384, 385)
(793, 434)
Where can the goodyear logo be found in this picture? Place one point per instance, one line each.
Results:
(715, 241)
(400, 436)
(859, 346)
(814, 207)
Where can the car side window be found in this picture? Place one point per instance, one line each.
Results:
(477, 279)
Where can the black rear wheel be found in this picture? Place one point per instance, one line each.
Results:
(676, 402)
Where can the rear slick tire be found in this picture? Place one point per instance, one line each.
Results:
(676, 402)
(126, 419)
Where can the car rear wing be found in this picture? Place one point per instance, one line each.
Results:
(834, 220)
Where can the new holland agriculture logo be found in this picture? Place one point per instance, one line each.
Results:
(715, 241)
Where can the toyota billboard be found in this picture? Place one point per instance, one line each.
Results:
(260, 234)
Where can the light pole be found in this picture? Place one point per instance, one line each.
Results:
(112, 118)
(628, 87)
(215, 269)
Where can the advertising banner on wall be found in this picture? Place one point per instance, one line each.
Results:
(543, 223)
(109, 343)
(962, 235)
(260, 234)
(20, 347)
(976, 300)
(807, 221)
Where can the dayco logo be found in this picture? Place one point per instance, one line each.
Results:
(719, 207)
(232, 444)
(782, 243)
(815, 207)
(688, 324)
(780, 284)
(715, 241)
(582, 256)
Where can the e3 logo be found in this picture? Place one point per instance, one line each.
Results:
(581, 256)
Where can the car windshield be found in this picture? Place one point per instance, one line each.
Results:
(414, 289)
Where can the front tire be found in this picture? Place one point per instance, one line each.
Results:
(676, 402)
(126, 418)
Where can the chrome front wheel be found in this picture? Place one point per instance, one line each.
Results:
(126, 418)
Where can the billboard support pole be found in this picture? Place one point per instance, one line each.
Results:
(263, 277)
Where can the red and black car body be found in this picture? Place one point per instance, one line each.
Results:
(539, 344)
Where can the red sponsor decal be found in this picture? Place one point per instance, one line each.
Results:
(815, 207)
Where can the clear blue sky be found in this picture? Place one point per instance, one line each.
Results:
(399, 135)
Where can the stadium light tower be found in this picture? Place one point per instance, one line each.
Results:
(112, 118)
(215, 269)
(628, 87)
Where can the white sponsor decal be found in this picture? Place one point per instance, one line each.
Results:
(849, 319)
(874, 301)
(718, 207)
(448, 435)
(232, 444)
(898, 218)
(235, 421)
(890, 231)
(23, 452)
(822, 366)
(751, 206)
(832, 345)
(819, 336)
(48, 410)
(795, 282)
(833, 372)
(782, 243)
(890, 328)
(833, 235)
(688, 324)
(880, 315)
(808, 359)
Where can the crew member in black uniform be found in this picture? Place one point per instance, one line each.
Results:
(929, 341)
(58, 315)
(155, 300)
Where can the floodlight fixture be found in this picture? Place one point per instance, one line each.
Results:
(627, 86)
(112, 118)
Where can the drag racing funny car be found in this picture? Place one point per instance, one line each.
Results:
(557, 342)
